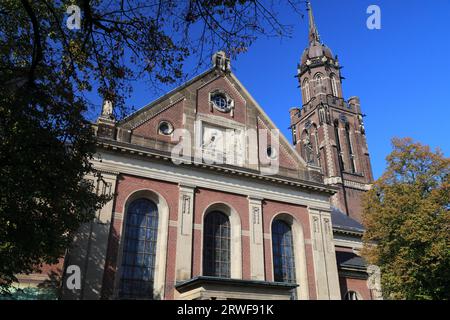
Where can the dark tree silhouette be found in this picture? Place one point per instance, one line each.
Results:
(46, 69)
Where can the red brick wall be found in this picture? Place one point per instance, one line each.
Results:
(354, 203)
(173, 114)
(353, 284)
(300, 213)
(171, 263)
(285, 160)
(203, 104)
(126, 186)
(45, 274)
(203, 199)
(358, 285)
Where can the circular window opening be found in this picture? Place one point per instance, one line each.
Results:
(271, 152)
(165, 128)
(221, 102)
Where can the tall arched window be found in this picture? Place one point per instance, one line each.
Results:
(216, 245)
(283, 252)
(139, 250)
(351, 156)
(307, 148)
(306, 92)
(338, 144)
(334, 87)
(315, 134)
(319, 81)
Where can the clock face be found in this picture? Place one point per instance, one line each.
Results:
(221, 102)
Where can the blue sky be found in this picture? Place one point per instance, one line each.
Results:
(401, 73)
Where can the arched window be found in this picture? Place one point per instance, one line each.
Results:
(216, 245)
(139, 250)
(338, 144)
(352, 295)
(315, 133)
(307, 149)
(306, 92)
(351, 156)
(334, 87)
(283, 252)
(319, 80)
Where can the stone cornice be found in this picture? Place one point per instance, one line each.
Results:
(140, 151)
(153, 113)
(357, 185)
(347, 232)
(348, 183)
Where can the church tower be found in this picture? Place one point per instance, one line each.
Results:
(328, 130)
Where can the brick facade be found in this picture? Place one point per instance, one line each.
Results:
(326, 168)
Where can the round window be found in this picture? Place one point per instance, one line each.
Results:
(221, 102)
(271, 152)
(165, 128)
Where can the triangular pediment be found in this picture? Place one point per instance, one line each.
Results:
(193, 107)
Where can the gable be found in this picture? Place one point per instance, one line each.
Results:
(285, 159)
(173, 113)
(190, 107)
(221, 85)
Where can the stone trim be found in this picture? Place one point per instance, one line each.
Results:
(185, 222)
(332, 180)
(324, 257)
(357, 185)
(264, 114)
(128, 121)
(161, 243)
(317, 186)
(233, 184)
(298, 239)
(235, 237)
(255, 218)
(236, 90)
(198, 226)
(93, 235)
(348, 243)
(173, 223)
(155, 113)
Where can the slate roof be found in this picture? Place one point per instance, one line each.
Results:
(342, 222)
(349, 260)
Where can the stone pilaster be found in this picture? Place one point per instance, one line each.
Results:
(330, 256)
(89, 247)
(256, 239)
(325, 267)
(185, 229)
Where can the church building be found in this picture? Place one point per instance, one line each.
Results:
(211, 201)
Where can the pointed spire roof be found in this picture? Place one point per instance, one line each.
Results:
(315, 48)
(313, 32)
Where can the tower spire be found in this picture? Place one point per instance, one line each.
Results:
(313, 32)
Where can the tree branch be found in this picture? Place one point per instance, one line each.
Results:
(37, 46)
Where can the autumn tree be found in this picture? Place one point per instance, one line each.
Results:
(406, 215)
(46, 71)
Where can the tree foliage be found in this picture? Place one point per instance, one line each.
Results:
(46, 71)
(406, 215)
